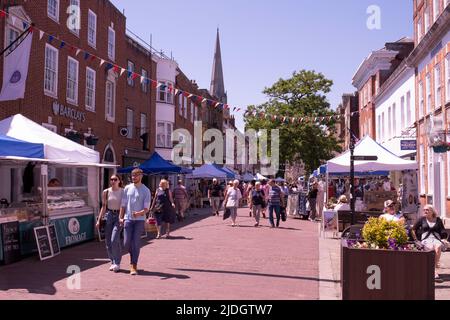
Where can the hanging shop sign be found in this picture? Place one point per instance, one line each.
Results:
(408, 145)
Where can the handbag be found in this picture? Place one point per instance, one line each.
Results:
(283, 214)
(227, 214)
(150, 225)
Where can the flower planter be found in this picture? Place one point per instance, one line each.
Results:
(372, 274)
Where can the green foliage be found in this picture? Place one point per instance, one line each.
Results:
(303, 95)
(377, 233)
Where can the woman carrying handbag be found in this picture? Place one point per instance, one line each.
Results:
(163, 208)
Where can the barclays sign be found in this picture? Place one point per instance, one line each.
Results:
(63, 111)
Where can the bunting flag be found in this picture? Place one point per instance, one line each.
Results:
(78, 52)
(109, 66)
(134, 76)
(142, 79)
(122, 71)
(50, 38)
(102, 62)
(41, 35)
(2, 14)
(116, 69)
(154, 84)
(93, 58)
(62, 44)
(86, 55)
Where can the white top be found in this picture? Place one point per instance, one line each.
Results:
(114, 199)
(342, 207)
(387, 186)
(431, 236)
(234, 195)
(390, 217)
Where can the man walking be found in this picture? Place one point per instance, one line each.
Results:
(276, 200)
(214, 195)
(135, 205)
(181, 199)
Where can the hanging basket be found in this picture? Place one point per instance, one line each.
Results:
(75, 136)
(441, 149)
(92, 140)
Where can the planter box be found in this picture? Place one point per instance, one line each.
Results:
(368, 274)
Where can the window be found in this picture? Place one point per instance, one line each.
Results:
(402, 112)
(422, 170)
(130, 123)
(383, 125)
(428, 92)
(185, 107)
(51, 71)
(12, 35)
(409, 109)
(144, 128)
(421, 101)
(164, 135)
(163, 92)
(180, 105)
(53, 9)
(195, 111)
(427, 19)
(447, 77)
(92, 29)
(72, 81)
(419, 29)
(435, 10)
(394, 119)
(437, 86)
(144, 84)
(389, 123)
(379, 128)
(110, 100)
(130, 67)
(430, 171)
(74, 23)
(111, 43)
(192, 113)
(90, 89)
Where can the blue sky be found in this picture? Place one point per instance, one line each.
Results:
(265, 40)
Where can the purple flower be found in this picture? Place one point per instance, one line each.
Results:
(392, 244)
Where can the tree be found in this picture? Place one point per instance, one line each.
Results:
(302, 96)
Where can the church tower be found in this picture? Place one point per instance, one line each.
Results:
(217, 82)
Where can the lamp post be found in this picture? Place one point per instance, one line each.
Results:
(352, 173)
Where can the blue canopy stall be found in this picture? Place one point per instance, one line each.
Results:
(230, 174)
(156, 164)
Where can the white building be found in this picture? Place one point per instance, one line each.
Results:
(165, 106)
(395, 113)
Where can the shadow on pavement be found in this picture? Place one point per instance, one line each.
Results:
(39, 277)
(163, 276)
(259, 275)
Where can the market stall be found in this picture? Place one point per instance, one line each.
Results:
(62, 190)
(387, 162)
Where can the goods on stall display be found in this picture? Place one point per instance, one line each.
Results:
(374, 200)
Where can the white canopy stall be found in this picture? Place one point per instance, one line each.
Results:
(69, 184)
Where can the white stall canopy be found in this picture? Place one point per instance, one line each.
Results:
(387, 161)
(55, 146)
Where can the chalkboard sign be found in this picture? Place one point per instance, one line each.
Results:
(43, 243)
(11, 242)
(54, 240)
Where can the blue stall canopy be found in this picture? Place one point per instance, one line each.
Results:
(208, 171)
(230, 174)
(156, 164)
(10, 147)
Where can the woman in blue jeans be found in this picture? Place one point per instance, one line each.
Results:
(111, 200)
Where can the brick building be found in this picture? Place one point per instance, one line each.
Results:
(65, 75)
(431, 61)
(371, 75)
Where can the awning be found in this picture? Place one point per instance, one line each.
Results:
(155, 165)
(11, 147)
(387, 161)
(208, 171)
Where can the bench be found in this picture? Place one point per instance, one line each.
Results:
(347, 219)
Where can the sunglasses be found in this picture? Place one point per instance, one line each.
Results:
(114, 179)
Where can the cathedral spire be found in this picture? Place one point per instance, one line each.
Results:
(217, 82)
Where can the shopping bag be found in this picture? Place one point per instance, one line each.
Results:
(227, 214)
(150, 225)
